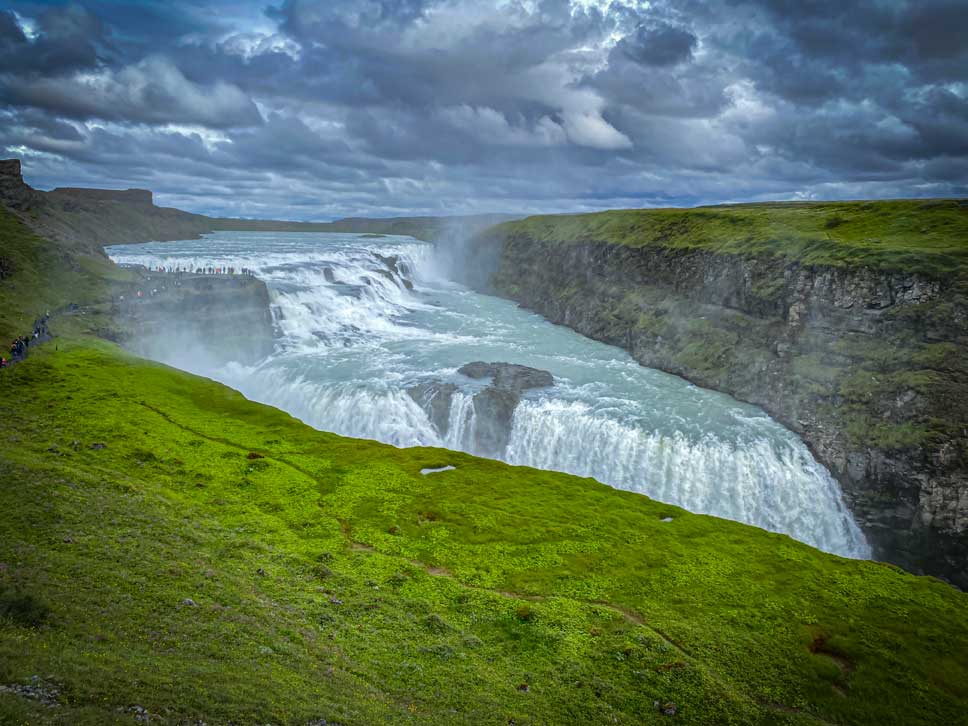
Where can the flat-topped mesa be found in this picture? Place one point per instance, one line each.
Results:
(129, 196)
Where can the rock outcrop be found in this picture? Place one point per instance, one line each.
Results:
(509, 376)
(869, 367)
(89, 219)
(14, 193)
(435, 398)
(493, 406)
(129, 196)
(195, 321)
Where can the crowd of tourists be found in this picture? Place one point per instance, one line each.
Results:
(174, 269)
(20, 345)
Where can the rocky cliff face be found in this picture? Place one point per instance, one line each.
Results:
(868, 367)
(89, 219)
(130, 196)
(195, 321)
(493, 405)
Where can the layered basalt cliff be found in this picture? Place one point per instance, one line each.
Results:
(867, 365)
(89, 219)
(129, 196)
(195, 321)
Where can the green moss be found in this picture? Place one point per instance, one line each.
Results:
(706, 347)
(906, 235)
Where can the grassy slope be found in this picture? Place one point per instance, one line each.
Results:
(45, 277)
(390, 597)
(908, 235)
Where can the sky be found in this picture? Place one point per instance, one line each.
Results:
(320, 109)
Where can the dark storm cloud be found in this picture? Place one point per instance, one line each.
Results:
(320, 108)
(68, 40)
(658, 45)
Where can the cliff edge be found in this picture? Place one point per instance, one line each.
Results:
(846, 322)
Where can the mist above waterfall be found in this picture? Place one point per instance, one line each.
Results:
(362, 322)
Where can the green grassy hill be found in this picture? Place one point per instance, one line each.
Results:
(172, 552)
(928, 236)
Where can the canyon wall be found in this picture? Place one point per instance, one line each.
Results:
(869, 367)
(195, 321)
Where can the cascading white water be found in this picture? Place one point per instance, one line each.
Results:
(353, 337)
(775, 485)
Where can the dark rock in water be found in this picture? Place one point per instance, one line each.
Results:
(435, 398)
(510, 376)
(346, 290)
(329, 275)
(493, 411)
(493, 406)
(391, 261)
(396, 270)
(386, 274)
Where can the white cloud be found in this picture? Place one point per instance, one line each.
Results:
(152, 91)
(489, 126)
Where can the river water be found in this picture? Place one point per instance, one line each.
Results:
(352, 337)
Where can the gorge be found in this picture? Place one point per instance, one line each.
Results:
(864, 359)
(376, 341)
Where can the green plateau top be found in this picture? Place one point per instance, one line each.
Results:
(921, 236)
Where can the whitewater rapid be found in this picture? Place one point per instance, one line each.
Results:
(360, 320)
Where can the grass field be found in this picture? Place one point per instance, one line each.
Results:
(172, 552)
(927, 236)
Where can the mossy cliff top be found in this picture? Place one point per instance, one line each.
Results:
(173, 551)
(922, 236)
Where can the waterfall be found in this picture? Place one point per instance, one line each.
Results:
(363, 322)
(776, 487)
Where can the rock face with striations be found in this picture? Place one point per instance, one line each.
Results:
(89, 219)
(493, 406)
(196, 321)
(869, 367)
(14, 193)
(129, 196)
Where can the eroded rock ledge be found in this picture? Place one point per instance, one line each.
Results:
(869, 367)
(195, 321)
(494, 405)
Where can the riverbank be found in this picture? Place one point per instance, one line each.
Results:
(845, 321)
(177, 553)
